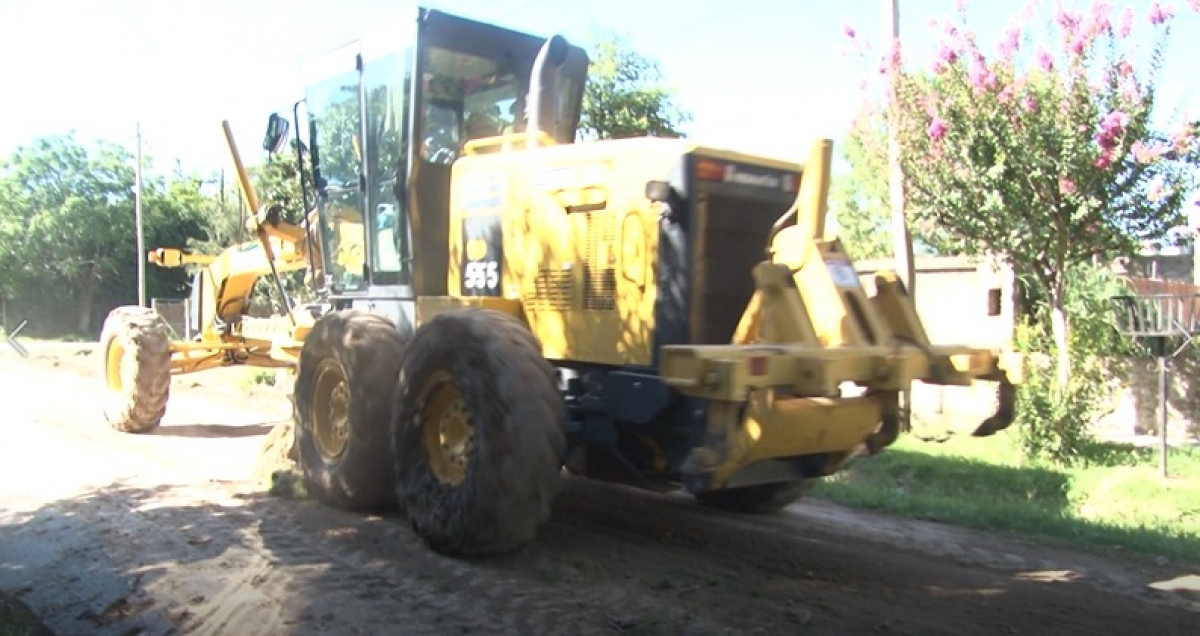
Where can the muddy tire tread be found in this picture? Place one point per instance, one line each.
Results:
(370, 348)
(144, 334)
(518, 414)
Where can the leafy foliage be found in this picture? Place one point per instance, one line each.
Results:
(1045, 159)
(1054, 420)
(67, 229)
(859, 202)
(625, 96)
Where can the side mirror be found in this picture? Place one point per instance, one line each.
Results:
(277, 130)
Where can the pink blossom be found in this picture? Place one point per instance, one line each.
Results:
(1029, 104)
(1100, 17)
(1183, 136)
(947, 54)
(1125, 68)
(1159, 13)
(1011, 42)
(1068, 20)
(1144, 153)
(849, 31)
(960, 5)
(1078, 44)
(1126, 23)
(1097, 23)
(1112, 126)
(1194, 4)
(937, 129)
(1066, 187)
(1045, 59)
(1006, 95)
(980, 76)
(1104, 160)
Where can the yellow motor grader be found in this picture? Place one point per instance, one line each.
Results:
(499, 304)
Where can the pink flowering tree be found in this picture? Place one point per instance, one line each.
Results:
(1045, 156)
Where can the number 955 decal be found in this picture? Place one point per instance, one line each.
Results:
(481, 275)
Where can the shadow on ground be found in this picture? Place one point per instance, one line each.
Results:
(611, 560)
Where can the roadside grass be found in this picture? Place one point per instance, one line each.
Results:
(18, 620)
(1119, 502)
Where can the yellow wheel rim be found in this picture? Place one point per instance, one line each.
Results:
(330, 413)
(115, 357)
(446, 428)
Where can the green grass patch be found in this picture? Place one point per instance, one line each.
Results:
(17, 620)
(1117, 502)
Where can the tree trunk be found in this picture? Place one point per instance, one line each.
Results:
(1060, 329)
(87, 296)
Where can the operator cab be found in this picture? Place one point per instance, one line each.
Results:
(378, 194)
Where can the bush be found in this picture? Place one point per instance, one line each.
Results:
(1054, 422)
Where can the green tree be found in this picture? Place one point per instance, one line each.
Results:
(67, 211)
(68, 234)
(858, 199)
(1046, 159)
(625, 95)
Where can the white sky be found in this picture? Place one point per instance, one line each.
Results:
(760, 76)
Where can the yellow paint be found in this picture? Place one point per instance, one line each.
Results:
(476, 249)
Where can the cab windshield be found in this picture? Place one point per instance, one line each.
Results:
(467, 97)
(360, 172)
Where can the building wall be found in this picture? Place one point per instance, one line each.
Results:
(958, 298)
(961, 301)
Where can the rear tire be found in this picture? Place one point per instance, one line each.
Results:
(344, 397)
(479, 434)
(757, 499)
(135, 354)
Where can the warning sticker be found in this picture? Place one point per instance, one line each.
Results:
(842, 273)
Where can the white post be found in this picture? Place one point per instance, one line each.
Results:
(137, 213)
(901, 237)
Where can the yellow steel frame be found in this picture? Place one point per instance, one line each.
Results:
(775, 391)
(263, 342)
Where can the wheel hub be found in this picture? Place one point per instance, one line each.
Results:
(446, 429)
(116, 368)
(330, 413)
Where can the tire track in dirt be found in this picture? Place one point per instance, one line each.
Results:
(217, 557)
(845, 583)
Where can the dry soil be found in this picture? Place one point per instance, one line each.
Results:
(110, 533)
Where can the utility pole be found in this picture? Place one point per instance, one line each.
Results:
(137, 214)
(901, 237)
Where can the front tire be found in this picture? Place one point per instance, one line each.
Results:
(479, 433)
(344, 398)
(135, 348)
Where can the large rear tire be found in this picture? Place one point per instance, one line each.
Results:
(135, 351)
(479, 434)
(344, 398)
(757, 499)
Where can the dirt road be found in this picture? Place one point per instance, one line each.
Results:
(106, 533)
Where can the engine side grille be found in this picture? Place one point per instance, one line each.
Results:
(599, 277)
(734, 241)
(550, 290)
